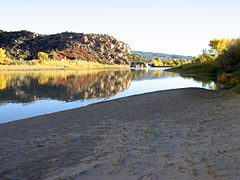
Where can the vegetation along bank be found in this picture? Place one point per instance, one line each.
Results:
(222, 62)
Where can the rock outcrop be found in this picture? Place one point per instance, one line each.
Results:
(90, 47)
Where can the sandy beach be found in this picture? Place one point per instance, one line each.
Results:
(187, 133)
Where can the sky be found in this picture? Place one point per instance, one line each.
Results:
(182, 27)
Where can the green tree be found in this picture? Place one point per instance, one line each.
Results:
(230, 57)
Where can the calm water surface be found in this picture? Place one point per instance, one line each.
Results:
(28, 94)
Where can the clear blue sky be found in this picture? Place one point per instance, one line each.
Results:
(167, 26)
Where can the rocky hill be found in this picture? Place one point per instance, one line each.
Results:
(90, 47)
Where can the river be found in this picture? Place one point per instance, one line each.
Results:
(33, 93)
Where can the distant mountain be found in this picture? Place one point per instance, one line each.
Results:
(90, 47)
(152, 55)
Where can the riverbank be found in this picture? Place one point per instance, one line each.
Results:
(187, 133)
(227, 77)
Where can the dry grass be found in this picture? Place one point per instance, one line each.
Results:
(56, 65)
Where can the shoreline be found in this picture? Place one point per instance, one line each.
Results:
(165, 134)
(59, 69)
(52, 68)
(99, 103)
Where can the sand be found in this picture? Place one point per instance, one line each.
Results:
(187, 133)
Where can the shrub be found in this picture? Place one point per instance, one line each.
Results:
(2, 53)
(111, 62)
(212, 70)
(3, 59)
(32, 62)
(223, 78)
(207, 68)
(237, 89)
(42, 56)
(22, 62)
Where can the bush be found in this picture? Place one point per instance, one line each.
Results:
(223, 78)
(42, 56)
(2, 54)
(21, 62)
(205, 68)
(212, 70)
(3, 59)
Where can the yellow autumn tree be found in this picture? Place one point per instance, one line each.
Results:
(2, 53)
(42, 56)
(2, 56)
(218, 46)
(184, 61)
(3, 59)
(157, 62)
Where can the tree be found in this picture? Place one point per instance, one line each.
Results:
(3, 58)
(157, 62)
(217, 46)
(2, 54)
(230, 57)
(214, 45)
(42, 56)
(183, 61)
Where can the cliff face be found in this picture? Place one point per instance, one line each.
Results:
(90, 47)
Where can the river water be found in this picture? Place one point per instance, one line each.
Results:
(28, 94)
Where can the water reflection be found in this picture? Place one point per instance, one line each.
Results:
(207, 82)
(65, 85)
(35, 93)
(24, 87)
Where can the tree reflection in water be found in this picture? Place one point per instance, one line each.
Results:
(65, 85)
(24, 87)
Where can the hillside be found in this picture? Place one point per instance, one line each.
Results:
(74, 46)
(152, 55)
